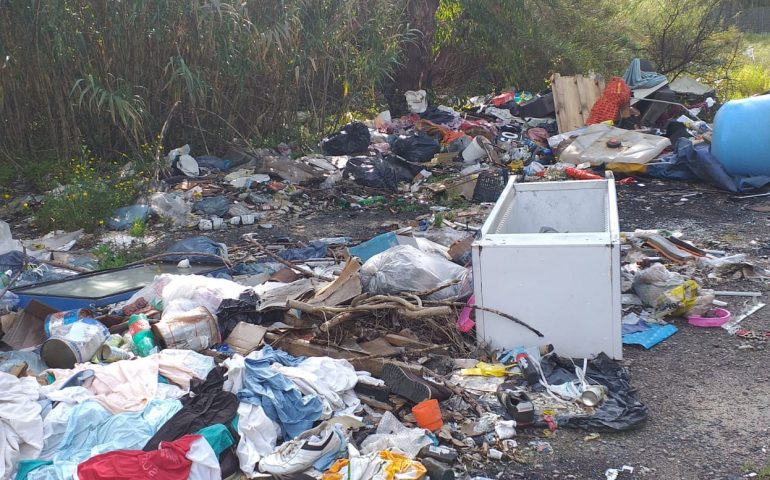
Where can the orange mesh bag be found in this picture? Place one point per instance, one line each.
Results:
(615, 95)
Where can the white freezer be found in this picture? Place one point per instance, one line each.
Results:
(567, 284)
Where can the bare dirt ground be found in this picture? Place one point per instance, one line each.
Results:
(707, 391)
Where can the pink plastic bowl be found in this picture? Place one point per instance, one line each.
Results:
(721, 317)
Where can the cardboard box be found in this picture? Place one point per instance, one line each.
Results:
(28, 328)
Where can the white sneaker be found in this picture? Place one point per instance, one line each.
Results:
(321, 444)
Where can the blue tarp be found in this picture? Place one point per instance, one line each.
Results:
(695, 162)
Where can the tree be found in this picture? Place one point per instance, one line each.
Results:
(691, 36)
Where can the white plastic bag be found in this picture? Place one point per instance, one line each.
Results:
(7, 243)
(404, 268)
(651, 283)
(417, 100)
(394, 435)
(171, 206)
(186, 163)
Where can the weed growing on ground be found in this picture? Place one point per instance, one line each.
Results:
(113, 256)
(90, 190)
(138, 228)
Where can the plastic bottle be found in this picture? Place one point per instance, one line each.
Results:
(141, 334)
(527, 368)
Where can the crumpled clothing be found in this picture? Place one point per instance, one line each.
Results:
(259, 436)
(92, 429)
(190, 457)
(281, 399)
(206, 405)
(331, 379)
(28, 466)
(384, 465)
(21, 426)
(636, 78)
(130, 386)
(218, 436)
(56, 421)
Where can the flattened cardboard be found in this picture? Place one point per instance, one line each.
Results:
(27, 331)
(245, 338)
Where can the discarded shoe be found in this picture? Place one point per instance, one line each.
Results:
(517, 403)
(410, 386)
(317, 447)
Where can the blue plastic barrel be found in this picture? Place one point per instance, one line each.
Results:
(741, 140)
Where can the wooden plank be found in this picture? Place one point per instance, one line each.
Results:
(573, 99)
(375, 403)
(401, 341)
(304, 348)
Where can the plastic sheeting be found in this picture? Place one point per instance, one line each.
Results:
(590, 145)
(695, 162)
(197, 245)
(406, 269)
(622, 410)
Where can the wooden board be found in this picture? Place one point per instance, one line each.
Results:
(573, 99)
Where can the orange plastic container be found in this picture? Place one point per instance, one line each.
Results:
(428, 415)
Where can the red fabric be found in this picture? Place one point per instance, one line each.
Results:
(615, 95)
(169, 462)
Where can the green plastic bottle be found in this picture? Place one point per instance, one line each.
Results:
(141, 334)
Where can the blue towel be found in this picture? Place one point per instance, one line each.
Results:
(650, 337)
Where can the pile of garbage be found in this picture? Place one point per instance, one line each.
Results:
(329, 360)
(339, 358)
(666, 278)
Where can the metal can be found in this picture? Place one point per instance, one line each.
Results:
(56, 322)
(109, 353)
(593, 395)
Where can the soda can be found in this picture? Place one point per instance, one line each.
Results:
(109, 354)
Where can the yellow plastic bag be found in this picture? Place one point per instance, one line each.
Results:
(487, 370)
(678, 300)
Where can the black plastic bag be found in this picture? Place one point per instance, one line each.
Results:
(243, 309)
(212, 206)
(417, 148)
(622, 410)
(379, 172)
(317, 249)
(353, 138)
(435, 115)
